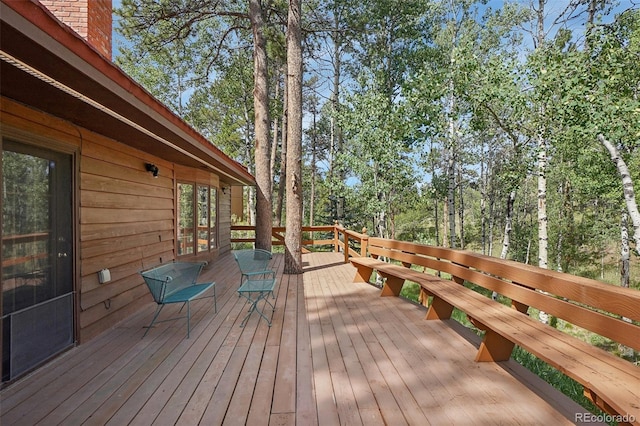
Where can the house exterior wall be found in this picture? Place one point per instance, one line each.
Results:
(125, 218)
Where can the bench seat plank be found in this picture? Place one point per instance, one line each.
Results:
(366, 265)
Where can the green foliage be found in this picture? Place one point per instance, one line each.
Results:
(423, 84)
(378, 153)
(223, 110)
(196, 57)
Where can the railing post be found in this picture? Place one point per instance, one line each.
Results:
(363, 243)
(346, 246)
(336, 237)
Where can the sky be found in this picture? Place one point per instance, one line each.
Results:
(553, 8)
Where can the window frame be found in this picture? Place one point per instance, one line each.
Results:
(193, 247)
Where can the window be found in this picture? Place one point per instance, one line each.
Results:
(197, 218)
(213, 218)
(185, 219)
(203, 218)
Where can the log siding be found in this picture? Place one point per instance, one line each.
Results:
(125, 216)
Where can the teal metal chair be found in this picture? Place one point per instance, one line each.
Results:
(257, 280)
(176, 283)
(254, 263)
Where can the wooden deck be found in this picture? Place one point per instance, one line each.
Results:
(337, 354)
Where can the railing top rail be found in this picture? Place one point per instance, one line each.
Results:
(361, 235)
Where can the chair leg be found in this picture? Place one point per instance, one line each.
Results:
(158, 309)
(266, 299)
(248, 297)
(251, 309)
(188, 319)
(254, 308)
(273, 295)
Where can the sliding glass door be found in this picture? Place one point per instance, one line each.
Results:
(37, 259)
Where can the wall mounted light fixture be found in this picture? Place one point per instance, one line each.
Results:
(153, 169)
(225, 189)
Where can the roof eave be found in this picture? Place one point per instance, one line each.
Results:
(109, 101)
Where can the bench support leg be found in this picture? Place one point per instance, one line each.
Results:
(600, 403)
(494, 348)
(363, 274)
(520, 307)
(477, 324)
(392, 285)
(423, 299)
(439, 309)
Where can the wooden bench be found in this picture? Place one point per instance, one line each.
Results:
(612, 383)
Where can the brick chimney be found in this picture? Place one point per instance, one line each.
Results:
(91, 19)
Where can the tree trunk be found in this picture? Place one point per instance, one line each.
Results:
(293, 236)
(483, 202)
(381, 221)
(275, 135)
(314, 167)
(507, 225)
(435, 196)
(627, 187)
(445, 227)
(625, 261)
(543, 238)
(506, 240)
(625, 265)
(461, 206)
(336, 135)
(251, 208)
(261, 111)
(283, 154)
(436, 220)
(451, 164)
(451, 212)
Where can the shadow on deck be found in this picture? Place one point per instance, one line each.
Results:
(336, 354)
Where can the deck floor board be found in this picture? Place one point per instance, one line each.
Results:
(336, 354)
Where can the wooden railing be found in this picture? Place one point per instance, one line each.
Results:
(344, 239)
(351, 243)
(33, 245)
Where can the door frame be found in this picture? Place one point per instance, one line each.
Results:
(25, 137)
